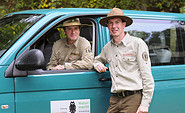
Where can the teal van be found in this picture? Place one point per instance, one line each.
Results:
(26, 40)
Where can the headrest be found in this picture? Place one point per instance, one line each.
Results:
(53, 36)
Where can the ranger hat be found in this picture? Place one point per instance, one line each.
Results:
(116, 13)
(72, 22)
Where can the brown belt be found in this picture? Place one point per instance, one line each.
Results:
(127, 93)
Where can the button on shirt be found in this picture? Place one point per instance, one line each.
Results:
(129, 65)
(76, 56)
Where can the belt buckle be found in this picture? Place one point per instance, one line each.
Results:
(123, 94)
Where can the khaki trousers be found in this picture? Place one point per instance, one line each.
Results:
(128, 104)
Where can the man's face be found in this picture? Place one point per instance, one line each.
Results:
(116, 26)
(72, 32)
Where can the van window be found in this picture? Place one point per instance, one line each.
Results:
(45, 43)
(13, 26)
(164, 38)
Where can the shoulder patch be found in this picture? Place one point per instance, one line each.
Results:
(88, 50)
(145, 56)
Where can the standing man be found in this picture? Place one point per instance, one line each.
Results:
(72, 52)
(129, 65)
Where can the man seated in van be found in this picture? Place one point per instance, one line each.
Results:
(72, 52)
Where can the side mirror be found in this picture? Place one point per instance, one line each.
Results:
(33, 59)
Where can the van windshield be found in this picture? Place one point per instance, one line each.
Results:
(13, 26)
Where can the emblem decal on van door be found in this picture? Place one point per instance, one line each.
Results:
(70, 106)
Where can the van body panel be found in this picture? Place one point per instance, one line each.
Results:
(61, 81)
(7, 103)
(7, 99)
(39, 90)
(165, 73)
(40, 101)
(168, 97)
(7, 85)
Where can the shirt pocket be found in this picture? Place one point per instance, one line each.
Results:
(74, 56)
(129, 62)
(129, 56)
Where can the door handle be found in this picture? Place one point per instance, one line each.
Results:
(104, 79)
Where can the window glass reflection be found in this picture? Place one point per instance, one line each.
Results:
(165, 39)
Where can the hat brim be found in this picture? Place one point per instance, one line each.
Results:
(127, 19)
(75, 25)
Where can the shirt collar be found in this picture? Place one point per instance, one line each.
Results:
(75, 44)
(125, 40)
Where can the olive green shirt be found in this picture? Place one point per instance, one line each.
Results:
(76, 56)
(129, 66)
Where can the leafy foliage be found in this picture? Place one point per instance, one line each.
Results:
(8, 33)
(7, 6)
(12, 27)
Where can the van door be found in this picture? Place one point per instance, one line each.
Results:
(51, 93)
(60, 91)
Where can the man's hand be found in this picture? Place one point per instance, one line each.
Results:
(142, 109)
(101, 68)
(59, 67)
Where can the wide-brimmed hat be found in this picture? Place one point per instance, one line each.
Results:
(72, 22)
(116, 13)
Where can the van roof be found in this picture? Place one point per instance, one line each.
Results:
(94, 11)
